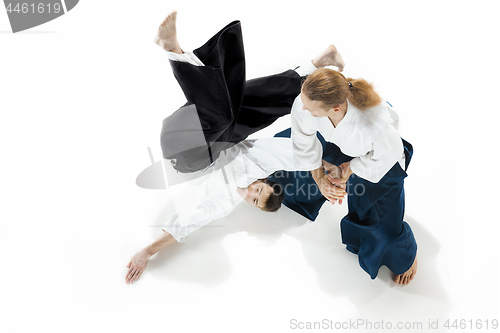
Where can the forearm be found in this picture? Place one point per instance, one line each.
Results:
(329, 191)
(163, 241)
(318, 173)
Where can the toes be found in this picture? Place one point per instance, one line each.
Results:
(408, 277)
(403, 279)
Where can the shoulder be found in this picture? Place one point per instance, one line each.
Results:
(297, 105)
(299, 114)
(372, 121)
(376, 117)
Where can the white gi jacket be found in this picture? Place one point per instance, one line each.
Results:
(370, 136)
(212, 193)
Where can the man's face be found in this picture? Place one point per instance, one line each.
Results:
(256, 193)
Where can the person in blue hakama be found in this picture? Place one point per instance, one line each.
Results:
(369, 159)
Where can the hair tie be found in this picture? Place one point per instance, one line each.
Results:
(350, 84)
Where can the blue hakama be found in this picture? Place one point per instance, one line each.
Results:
(373, 228)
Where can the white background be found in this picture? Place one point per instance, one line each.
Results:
(83, 96)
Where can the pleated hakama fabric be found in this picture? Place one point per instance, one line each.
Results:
(373, 228)
(228, 108)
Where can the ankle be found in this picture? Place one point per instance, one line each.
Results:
(177, 50)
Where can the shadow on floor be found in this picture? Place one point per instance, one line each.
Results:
(203, 260)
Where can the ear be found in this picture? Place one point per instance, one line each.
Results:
(336, 108)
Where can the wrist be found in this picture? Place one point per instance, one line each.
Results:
(149, 251)
(318, 173)
(346, 170)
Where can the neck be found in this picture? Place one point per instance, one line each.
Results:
(337, 115)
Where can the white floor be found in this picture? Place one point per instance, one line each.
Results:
(83, 96)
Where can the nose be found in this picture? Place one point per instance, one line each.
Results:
(250, 197)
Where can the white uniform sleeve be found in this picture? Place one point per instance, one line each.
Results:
(188, 57)
(307, 150)
(181, 225)
(198, 202)
(269, 155)
(386, 151)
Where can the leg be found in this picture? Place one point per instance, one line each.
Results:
(266, 99)
(374, 228)
(139, 261)
(271, 97)
(229, 109)
(302, 194)
(329, 57)
(407, 276)
(213, 88)
(167, 34)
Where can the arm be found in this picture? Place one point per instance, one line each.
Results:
(386, 151)
(188, 219)
(343, 175)
(139, 261)
(308, 151)
(330, 191)
(180, 225)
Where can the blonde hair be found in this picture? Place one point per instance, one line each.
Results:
(332, 88)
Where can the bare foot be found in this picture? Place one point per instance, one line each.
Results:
(136, 266)
(329, 57)
(407, 276)
(167, 34)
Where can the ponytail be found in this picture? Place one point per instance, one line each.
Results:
(332, 88)
(362, 95)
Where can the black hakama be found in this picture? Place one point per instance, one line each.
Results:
(222, 108)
